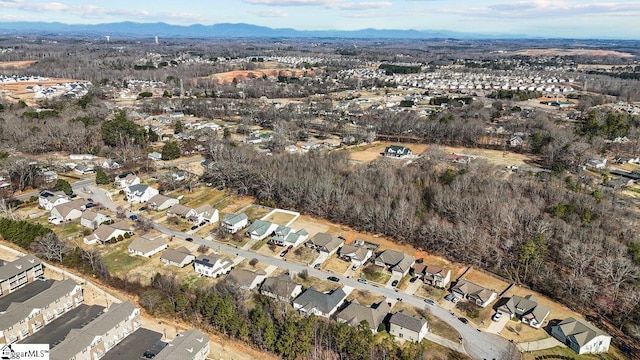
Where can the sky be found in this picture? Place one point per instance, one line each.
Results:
(550, 18)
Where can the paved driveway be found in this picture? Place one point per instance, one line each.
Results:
(496, 326)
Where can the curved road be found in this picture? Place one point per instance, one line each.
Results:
(479, 345)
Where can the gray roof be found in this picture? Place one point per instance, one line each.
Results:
(184, 346)
(526, 306)
(233, 219)
(397, 260)
(180, 210)
(138, 188)
(407, 321)
(327, 241)
(468, 288)
(281, 286)
(146, 244)
(24, 293)
(244, 278)
(79, 339)
(18, 266)
(313, 299)
(355, 313)
(176, 255)
(158, 200)
(259, 227)
(20, 311)
(582, 332)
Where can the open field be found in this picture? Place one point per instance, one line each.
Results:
(302, 255)
(229, 76)
(525, 334)
(370, 152)
(279, 217)
(202, 195)
(255, 212)
(20, 64)
(496, 157)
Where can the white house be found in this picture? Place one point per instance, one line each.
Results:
(161, 202)
(126, 179)
(205, 213)
(92, 219)
(48, 199)
(67, 211)
(147, 245)
(408, 327)
(140, 193)
(50, 176)
(286, 236)
(356, 254)
(108, 233)
(211, 265)
(433, 275)
(232, 223)
(260, 229)
(581, 337)
(179, 257)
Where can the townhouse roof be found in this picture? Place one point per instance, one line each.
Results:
(18, 266)
(79, 339)
(184, 346)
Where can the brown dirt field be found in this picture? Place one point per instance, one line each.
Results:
(18, 91)
(279, 217)
(488, 281)
(20, 64)
(371, 152)
(227, 77)
(306, 257)
(571, 52)
(497, 157)
(311, 225)
(364, 297)
(336, 265)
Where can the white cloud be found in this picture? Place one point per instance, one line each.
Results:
(545, 9)
(327, 4)
(274, 13)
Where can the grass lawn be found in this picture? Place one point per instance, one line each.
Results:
(117, 258)
(280, 218)
(302, 254)
(364, 297)
(432, 293)
(442, 328)
(266, 251)
(336, 265)
(376, 274)
(259, 244)
(254, 212)
(318, 284)
(404, 282)
(203, 195)
(563, 351)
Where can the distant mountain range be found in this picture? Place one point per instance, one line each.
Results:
(226, 30)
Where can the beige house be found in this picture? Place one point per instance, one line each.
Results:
(147, 245)
(433, 275)
(179, 257)
(281, 288)
(325, 243)
(21, 320)
(68, 211)
(246, 279)
(19, 272)
(161, 202)
(109, 233)
(189, 345)
(398, 263)
(408, 327)
(354, 314)
(92, 219)
(473, 292)
(100, 335)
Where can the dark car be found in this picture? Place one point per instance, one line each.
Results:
(316, 266)
(463, 320)
(361, 280)
(333, 278)
(89, 205)
(133, 217)
(282, 254)
(143, 208)
(394, 283)
(90, 200)
(399, 299)
(413, 279)
(449, 297)
(194, 227)
(429, 302)
(189, 239)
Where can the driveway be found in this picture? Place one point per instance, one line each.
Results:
(547, 343)
(496, 326)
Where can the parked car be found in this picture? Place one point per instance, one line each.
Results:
(497, 316)
(194, 227)
(429, 302)
(463, 320)
(282, 254)
(354, 267)
(143, 208)
(361, 280)
(394, 283)
(333, 278)
(399, 299)
(189, 239)
(89, 205)
(449, 297)
(413, 279)
(316, 266)
(134, 217)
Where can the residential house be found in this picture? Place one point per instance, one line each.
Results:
(526, 309)
(281, 288)
(516, 141)
(179, 210)
(22, 319)
(246, 279)
(50, 176)
(260, 229)
(125, 180)
(92, 219)
(161, 202)
(189, 345)
(580, 336)
(397, 151)
(85, 168)
(408, 327)
(596, 163)
(140, 193)
(324, 243)
(147, 245)
(109, 233)
(479, 295)
(232, 223)
(357, 253)
(110, 164)
(354, 314)
(100, 335)
(322, 304)
(398, 263)
(179, 257)
(68, 211)
(205, 213)
(155, 156)
(433, 275)
(48, 199)
(286, 236)
(212, 265)
(19, 272)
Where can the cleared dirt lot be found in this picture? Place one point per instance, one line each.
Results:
(20, 64)
(279, 217)
(227, 77)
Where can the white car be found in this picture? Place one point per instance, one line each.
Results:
(497, 316)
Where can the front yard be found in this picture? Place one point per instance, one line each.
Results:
(302, 255)
(376, 274)
(336, 265)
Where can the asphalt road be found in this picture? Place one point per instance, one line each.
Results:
(479, 345)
